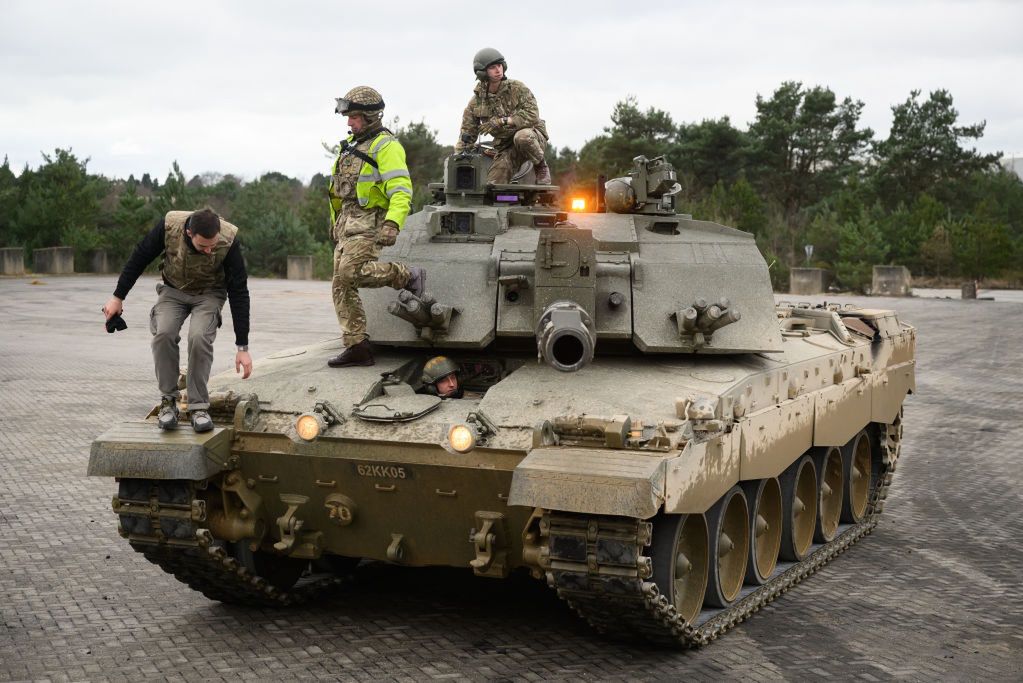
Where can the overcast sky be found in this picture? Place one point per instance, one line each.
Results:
(249, 87)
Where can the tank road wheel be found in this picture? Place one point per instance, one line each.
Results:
(764, 498)
(799, 508)
(280, 572)
(679, 550)
(729, 530)
(856, 461)
(830, 492)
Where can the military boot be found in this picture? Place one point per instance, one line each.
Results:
(543, 173)
(357, 354)
(416, 281)
(168, 417)
(201, 420)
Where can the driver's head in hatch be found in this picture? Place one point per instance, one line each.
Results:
(440, 375)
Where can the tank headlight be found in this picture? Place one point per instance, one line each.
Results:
(578, 204)
(309, 426)
(462, 438)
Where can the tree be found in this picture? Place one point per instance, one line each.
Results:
(712, 151)
(804, 144)
(924, 151)
(906, 228)
(266, 211)
(314, 211)
(269, 239)
(981, 243)
(425, 157)
(737, 205)
(861, 246)
(632, 133)
(174, 195)
(130, 221)
(59, 205)
(9, 200)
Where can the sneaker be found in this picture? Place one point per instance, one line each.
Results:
(543, 173)
(201, 420)
(416, 281)
(357, 354)
(168, 417)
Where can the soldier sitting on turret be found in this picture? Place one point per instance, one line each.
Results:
(507, 110)
(440, 377)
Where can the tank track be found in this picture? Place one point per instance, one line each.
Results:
(596, 564)
(161, 520)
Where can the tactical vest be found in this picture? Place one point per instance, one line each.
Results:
(190, 270)
(383, 185)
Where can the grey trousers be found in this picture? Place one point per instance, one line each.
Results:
(165, 322)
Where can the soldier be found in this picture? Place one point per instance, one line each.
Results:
(440, 377)
(370, 196)
(507, 110)
(202, 267)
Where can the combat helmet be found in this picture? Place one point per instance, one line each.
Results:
(361, 99)
(438, 368)
(485, 58)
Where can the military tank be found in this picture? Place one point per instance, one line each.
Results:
(640, 425)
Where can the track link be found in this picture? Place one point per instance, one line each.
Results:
(596, 564)
(161, 520)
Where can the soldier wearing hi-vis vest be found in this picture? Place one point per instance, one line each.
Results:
(202, 268)
(370, 197)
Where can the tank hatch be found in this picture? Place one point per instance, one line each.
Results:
(395, 402)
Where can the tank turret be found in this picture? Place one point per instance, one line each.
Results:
(642, 278)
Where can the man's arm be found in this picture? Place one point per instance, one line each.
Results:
(145, 251)
(527, 113)
(397, 183)
(470, 126)
(236, 279)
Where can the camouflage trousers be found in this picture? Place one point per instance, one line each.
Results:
(527, 145)
(355, 266)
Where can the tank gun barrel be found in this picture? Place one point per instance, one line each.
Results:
(565, 336)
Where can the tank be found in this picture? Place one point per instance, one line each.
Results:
(638, 424)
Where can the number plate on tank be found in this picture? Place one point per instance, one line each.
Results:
(382, 470)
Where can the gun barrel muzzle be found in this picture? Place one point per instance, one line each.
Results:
(565, 336)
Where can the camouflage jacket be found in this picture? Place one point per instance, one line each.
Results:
(512, 99)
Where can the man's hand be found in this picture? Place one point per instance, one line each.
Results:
(388, 234)
(243, 361)
(492, 124)
(113, 307)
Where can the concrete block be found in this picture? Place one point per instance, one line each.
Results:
(969, 290)
(54, 260)
(891, 281)
(12, 261)
(808, 280)
(300, 267)
(97, 261)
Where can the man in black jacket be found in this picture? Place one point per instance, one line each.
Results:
(202, 268)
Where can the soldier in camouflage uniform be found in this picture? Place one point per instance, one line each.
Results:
(370, 196)
(507, 110)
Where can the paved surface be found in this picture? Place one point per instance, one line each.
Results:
(933, 593)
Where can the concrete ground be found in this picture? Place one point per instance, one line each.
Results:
(933, 593)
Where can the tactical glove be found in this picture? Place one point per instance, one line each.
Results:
(492, 124)
(388, 234)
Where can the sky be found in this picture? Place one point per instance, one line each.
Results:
(249, 87)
